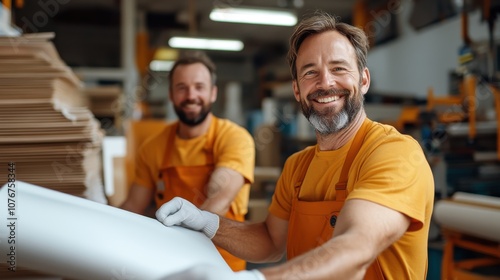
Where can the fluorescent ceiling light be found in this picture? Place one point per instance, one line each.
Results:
(205, 44)
(161, 65)
(254, 16)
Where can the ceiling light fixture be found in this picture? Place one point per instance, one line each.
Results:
(161, 65)
(254, 16)
(205, 44)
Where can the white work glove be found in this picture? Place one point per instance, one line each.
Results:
(179, 211)
(212, 272)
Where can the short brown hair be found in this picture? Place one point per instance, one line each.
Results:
(191, 58)
(320, 22)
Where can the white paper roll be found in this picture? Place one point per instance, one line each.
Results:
(470, 214)
(77, 238)
(476, 198)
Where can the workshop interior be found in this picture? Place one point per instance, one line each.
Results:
(83, 83)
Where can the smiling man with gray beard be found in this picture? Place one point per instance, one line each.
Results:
(357, 205)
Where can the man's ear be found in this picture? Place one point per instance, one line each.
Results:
(296, 91)
(214, 94)
(365, 81)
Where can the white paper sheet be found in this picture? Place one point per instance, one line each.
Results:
(472, 214)
(73, 237)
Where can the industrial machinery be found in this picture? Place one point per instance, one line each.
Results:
(470, 221)
(470, 218)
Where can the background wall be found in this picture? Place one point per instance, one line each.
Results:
(416, 60)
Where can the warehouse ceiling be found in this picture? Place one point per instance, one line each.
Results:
(173, 15)
(88, 31)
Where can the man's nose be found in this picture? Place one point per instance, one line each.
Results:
(326, 80)
(190, 93)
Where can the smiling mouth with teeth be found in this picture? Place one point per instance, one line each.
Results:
(328, 99)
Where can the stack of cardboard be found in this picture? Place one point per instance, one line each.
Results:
(45, 129)
(105, 103)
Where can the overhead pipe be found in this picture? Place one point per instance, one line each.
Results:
(128, 36)
(193, 29)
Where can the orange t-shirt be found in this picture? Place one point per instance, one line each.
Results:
(391, 170)
(233, 147)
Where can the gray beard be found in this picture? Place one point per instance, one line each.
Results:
(326, 126)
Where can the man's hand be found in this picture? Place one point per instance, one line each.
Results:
(211, 272)
(179, 211)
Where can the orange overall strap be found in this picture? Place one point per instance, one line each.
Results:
(374, 272)
(340, 187)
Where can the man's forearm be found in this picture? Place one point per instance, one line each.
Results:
(342, 258)
(222, 189)
(250, 242)
(216, 206)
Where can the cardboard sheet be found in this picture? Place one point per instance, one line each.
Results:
(67, 236)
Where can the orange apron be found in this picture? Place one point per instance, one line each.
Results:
(312, 223)
(189, 182)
